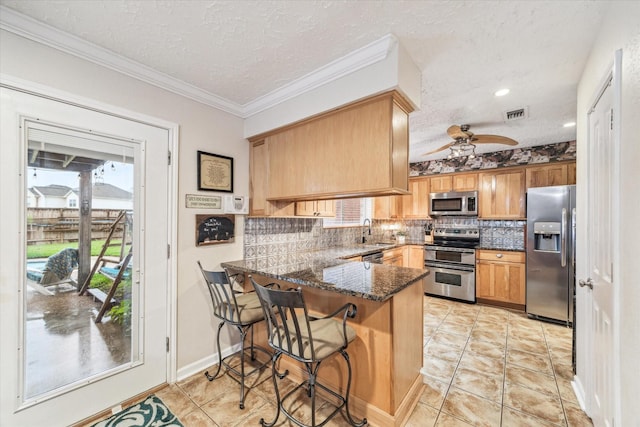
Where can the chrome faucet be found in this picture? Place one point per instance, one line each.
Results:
(364, 224)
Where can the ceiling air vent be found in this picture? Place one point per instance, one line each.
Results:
(520, 113)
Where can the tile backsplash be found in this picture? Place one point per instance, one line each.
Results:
(288, 240)
(284, 240)
(502, 234)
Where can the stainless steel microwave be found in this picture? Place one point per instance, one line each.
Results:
(462, 203)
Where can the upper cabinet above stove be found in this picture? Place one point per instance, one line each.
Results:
(454, 182)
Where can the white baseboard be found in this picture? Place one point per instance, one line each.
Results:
(202, 364)
(578, 390)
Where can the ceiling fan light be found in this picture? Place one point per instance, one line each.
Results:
(501, 92)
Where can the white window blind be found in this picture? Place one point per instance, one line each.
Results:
(349, 213)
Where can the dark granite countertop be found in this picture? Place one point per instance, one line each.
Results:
(493, 248)
(324, 269)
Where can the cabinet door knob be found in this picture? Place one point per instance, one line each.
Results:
(498, 255)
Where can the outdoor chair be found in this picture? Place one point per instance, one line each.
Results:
(309, 340)
(237, 309)
(59, 267)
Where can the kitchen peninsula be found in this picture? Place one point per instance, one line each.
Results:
(386, 356)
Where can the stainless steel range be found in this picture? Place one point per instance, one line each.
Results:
(451, 258)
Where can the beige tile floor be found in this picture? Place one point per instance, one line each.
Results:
(485, 366)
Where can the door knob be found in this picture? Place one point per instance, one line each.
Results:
(588, 283)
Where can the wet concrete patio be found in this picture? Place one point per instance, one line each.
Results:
(63, 344)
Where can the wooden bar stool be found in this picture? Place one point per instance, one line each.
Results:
(309, 340)
(239, 310)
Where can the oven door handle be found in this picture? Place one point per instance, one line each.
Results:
(441, 267)
(431, 248)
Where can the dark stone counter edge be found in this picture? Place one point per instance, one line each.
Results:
(330, 287)
(490, 248)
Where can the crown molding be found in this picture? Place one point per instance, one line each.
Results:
(40, 32)
(353, 61)
(32, 29)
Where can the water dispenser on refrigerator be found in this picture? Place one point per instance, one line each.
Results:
(547, 236)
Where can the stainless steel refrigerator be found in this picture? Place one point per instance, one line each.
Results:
(551, 252)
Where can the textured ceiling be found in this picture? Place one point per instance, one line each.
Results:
(242, 50)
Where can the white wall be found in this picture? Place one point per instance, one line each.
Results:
(201, 128)
(104, 203)
(52, 202)
(395, 71)
(620, 30)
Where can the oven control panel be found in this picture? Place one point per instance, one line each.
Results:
(462, 233)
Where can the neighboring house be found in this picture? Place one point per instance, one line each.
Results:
(50, 196)
(105, 196)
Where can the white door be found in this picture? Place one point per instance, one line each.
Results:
(601, 205)
(100, 136)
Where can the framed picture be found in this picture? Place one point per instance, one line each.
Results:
(214, 229)
(215, 172)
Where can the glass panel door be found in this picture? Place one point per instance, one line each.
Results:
(79, 257)
(61, 198)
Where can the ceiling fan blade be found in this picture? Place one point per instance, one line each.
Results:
(444, 147)
(493, 139)
(459, 132)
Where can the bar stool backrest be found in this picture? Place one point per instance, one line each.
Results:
(225, 305)
(287, 321)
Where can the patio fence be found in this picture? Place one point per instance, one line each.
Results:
(60, 225)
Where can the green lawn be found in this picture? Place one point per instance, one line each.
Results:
(48, 249)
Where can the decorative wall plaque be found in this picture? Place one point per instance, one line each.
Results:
(214, 229)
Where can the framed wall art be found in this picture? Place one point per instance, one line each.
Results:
(215, 172)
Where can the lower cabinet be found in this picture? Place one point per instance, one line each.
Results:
(415, 256)
(393, 256)
(501, 277)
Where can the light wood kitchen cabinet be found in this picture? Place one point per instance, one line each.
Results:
(358, 150)
(316, 208)
(387, 207)
(571, 173)
(547, 175)
(416, 204)
(394, 257)
(415, 256)
(258, 184)
(465, 182)
(441, 184)
(501, 277)
(502, 194)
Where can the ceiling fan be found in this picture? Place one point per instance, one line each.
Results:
(464, 142)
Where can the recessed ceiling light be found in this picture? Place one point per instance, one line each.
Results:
(569, 124)
(502, 92)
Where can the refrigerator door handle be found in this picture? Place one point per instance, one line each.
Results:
(573, 237)
(563, 234)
